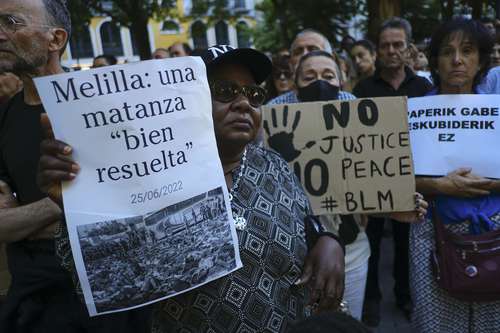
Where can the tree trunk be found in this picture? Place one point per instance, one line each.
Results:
(477, 8)
(447, 7)
(378, 12)
(373, 19)
(389, 8)
(139, 31)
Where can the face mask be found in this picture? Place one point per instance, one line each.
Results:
(319, 90)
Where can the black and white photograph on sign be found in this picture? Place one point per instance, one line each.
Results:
(140, 259)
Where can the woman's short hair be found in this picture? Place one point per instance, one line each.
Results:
(367, 44)
(317, 53)
(474, 31)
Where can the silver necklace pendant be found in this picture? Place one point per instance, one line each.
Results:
(239, 222)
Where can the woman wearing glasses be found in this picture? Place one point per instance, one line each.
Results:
(464, 203)
(281, 80)
(269, 207)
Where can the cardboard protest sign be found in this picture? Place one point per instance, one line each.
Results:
(145, 221)
(350, 156)
(462, 130)
(4, 272)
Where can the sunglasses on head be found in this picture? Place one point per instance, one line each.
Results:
(228, 91)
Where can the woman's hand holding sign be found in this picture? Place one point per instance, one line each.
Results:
(458, 183)
(56, 164)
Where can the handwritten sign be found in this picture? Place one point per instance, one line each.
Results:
(350, 156)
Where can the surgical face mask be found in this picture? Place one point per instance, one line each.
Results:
(319, 90)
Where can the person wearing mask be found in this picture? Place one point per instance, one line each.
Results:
(41, 297)
(364, 56)
(281, 79)
(459, 58)
(392, 78)
(307, 41)
(317, 79)
(160, 53)
(104, 60)
(243, 300)
(179, 50)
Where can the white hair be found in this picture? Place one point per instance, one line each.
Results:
(327, 46)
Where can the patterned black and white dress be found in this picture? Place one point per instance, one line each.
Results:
(261, 296)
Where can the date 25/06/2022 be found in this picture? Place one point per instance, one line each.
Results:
(157, 193)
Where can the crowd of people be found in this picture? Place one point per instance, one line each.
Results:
(286, 284)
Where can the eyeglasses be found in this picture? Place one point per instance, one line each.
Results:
(227, 91)
(10, 24)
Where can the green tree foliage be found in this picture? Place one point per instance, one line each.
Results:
(80, 16)
(424, 16)
(283, 19)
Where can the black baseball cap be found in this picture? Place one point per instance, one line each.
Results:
(258, 63)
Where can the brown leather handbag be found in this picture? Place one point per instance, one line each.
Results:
(467, 266)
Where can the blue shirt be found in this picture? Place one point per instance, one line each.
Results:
(291, 97)
(491, 83)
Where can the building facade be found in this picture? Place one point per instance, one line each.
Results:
(106, 37)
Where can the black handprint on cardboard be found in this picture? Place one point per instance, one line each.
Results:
(282, 141)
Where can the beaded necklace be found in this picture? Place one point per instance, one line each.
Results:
(239, 221)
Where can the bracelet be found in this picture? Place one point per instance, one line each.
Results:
(332, 235)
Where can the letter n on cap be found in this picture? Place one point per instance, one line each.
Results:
(220, 49)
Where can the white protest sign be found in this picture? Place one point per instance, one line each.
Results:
(448, 132)
(350, 156)
(149, 215)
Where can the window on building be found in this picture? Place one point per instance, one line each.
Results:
(199, 35)
(111, 39)
(170, 27)
(243, 35)
(81, 44)
(221, 33)
(240, 4)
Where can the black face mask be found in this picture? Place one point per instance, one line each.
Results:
(319, 90)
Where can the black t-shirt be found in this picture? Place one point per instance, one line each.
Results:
(374, 86)
(33, 264)
(42, 294)
(20, 137)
